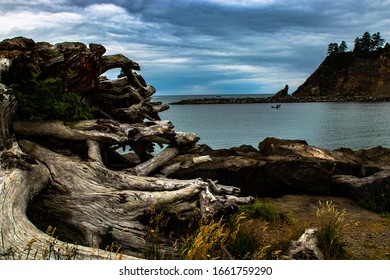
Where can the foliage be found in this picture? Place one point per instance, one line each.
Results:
(264, 210)
(210, 241)
(343, 47)
(43, 99)
(335, 48)
(330, 232)
(368, 43)
(269, 252)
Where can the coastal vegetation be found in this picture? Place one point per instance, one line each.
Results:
(367, 43)
(49, 99)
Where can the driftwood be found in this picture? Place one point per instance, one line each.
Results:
(56, 174)
(306, 247)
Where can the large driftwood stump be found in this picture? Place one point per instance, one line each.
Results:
(69, 173)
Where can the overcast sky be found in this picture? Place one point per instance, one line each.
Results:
(204, 46)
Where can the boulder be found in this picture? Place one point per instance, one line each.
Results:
(282, 167)
(342, 162)
(300, 175)
(231, 167)
(271, 145)
(359, 188)
(375, 160)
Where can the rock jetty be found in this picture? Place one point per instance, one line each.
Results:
(284, 99)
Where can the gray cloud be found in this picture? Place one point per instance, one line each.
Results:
(208, 46)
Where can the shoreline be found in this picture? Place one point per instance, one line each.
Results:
(288, 99)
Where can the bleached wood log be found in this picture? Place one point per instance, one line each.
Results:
(94, 152)
(105, 131)
(170, 169)
(161, 159)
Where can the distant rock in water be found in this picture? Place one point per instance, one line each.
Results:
(350, 74)
(281, 93)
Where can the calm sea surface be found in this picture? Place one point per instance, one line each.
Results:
(327, 125)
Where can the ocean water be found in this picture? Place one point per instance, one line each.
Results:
(323, 124)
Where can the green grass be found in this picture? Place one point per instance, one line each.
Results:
(266, 211)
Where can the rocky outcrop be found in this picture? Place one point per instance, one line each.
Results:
(281, 93)
(350, 74)
(282, 167)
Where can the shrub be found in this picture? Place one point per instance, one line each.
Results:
(44, 99)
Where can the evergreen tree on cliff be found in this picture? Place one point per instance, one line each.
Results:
(360, 75)
(343, 47)
(377, 41)
(335, 48)
(369, 43)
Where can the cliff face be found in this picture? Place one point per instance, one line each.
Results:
(350, 74)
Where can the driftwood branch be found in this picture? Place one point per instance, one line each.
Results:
(161, 159)
(170, 169)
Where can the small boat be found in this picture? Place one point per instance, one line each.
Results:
(277, 106)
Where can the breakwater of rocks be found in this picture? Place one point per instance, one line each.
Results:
(286, 99)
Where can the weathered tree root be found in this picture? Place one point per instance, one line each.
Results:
(64, 168)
